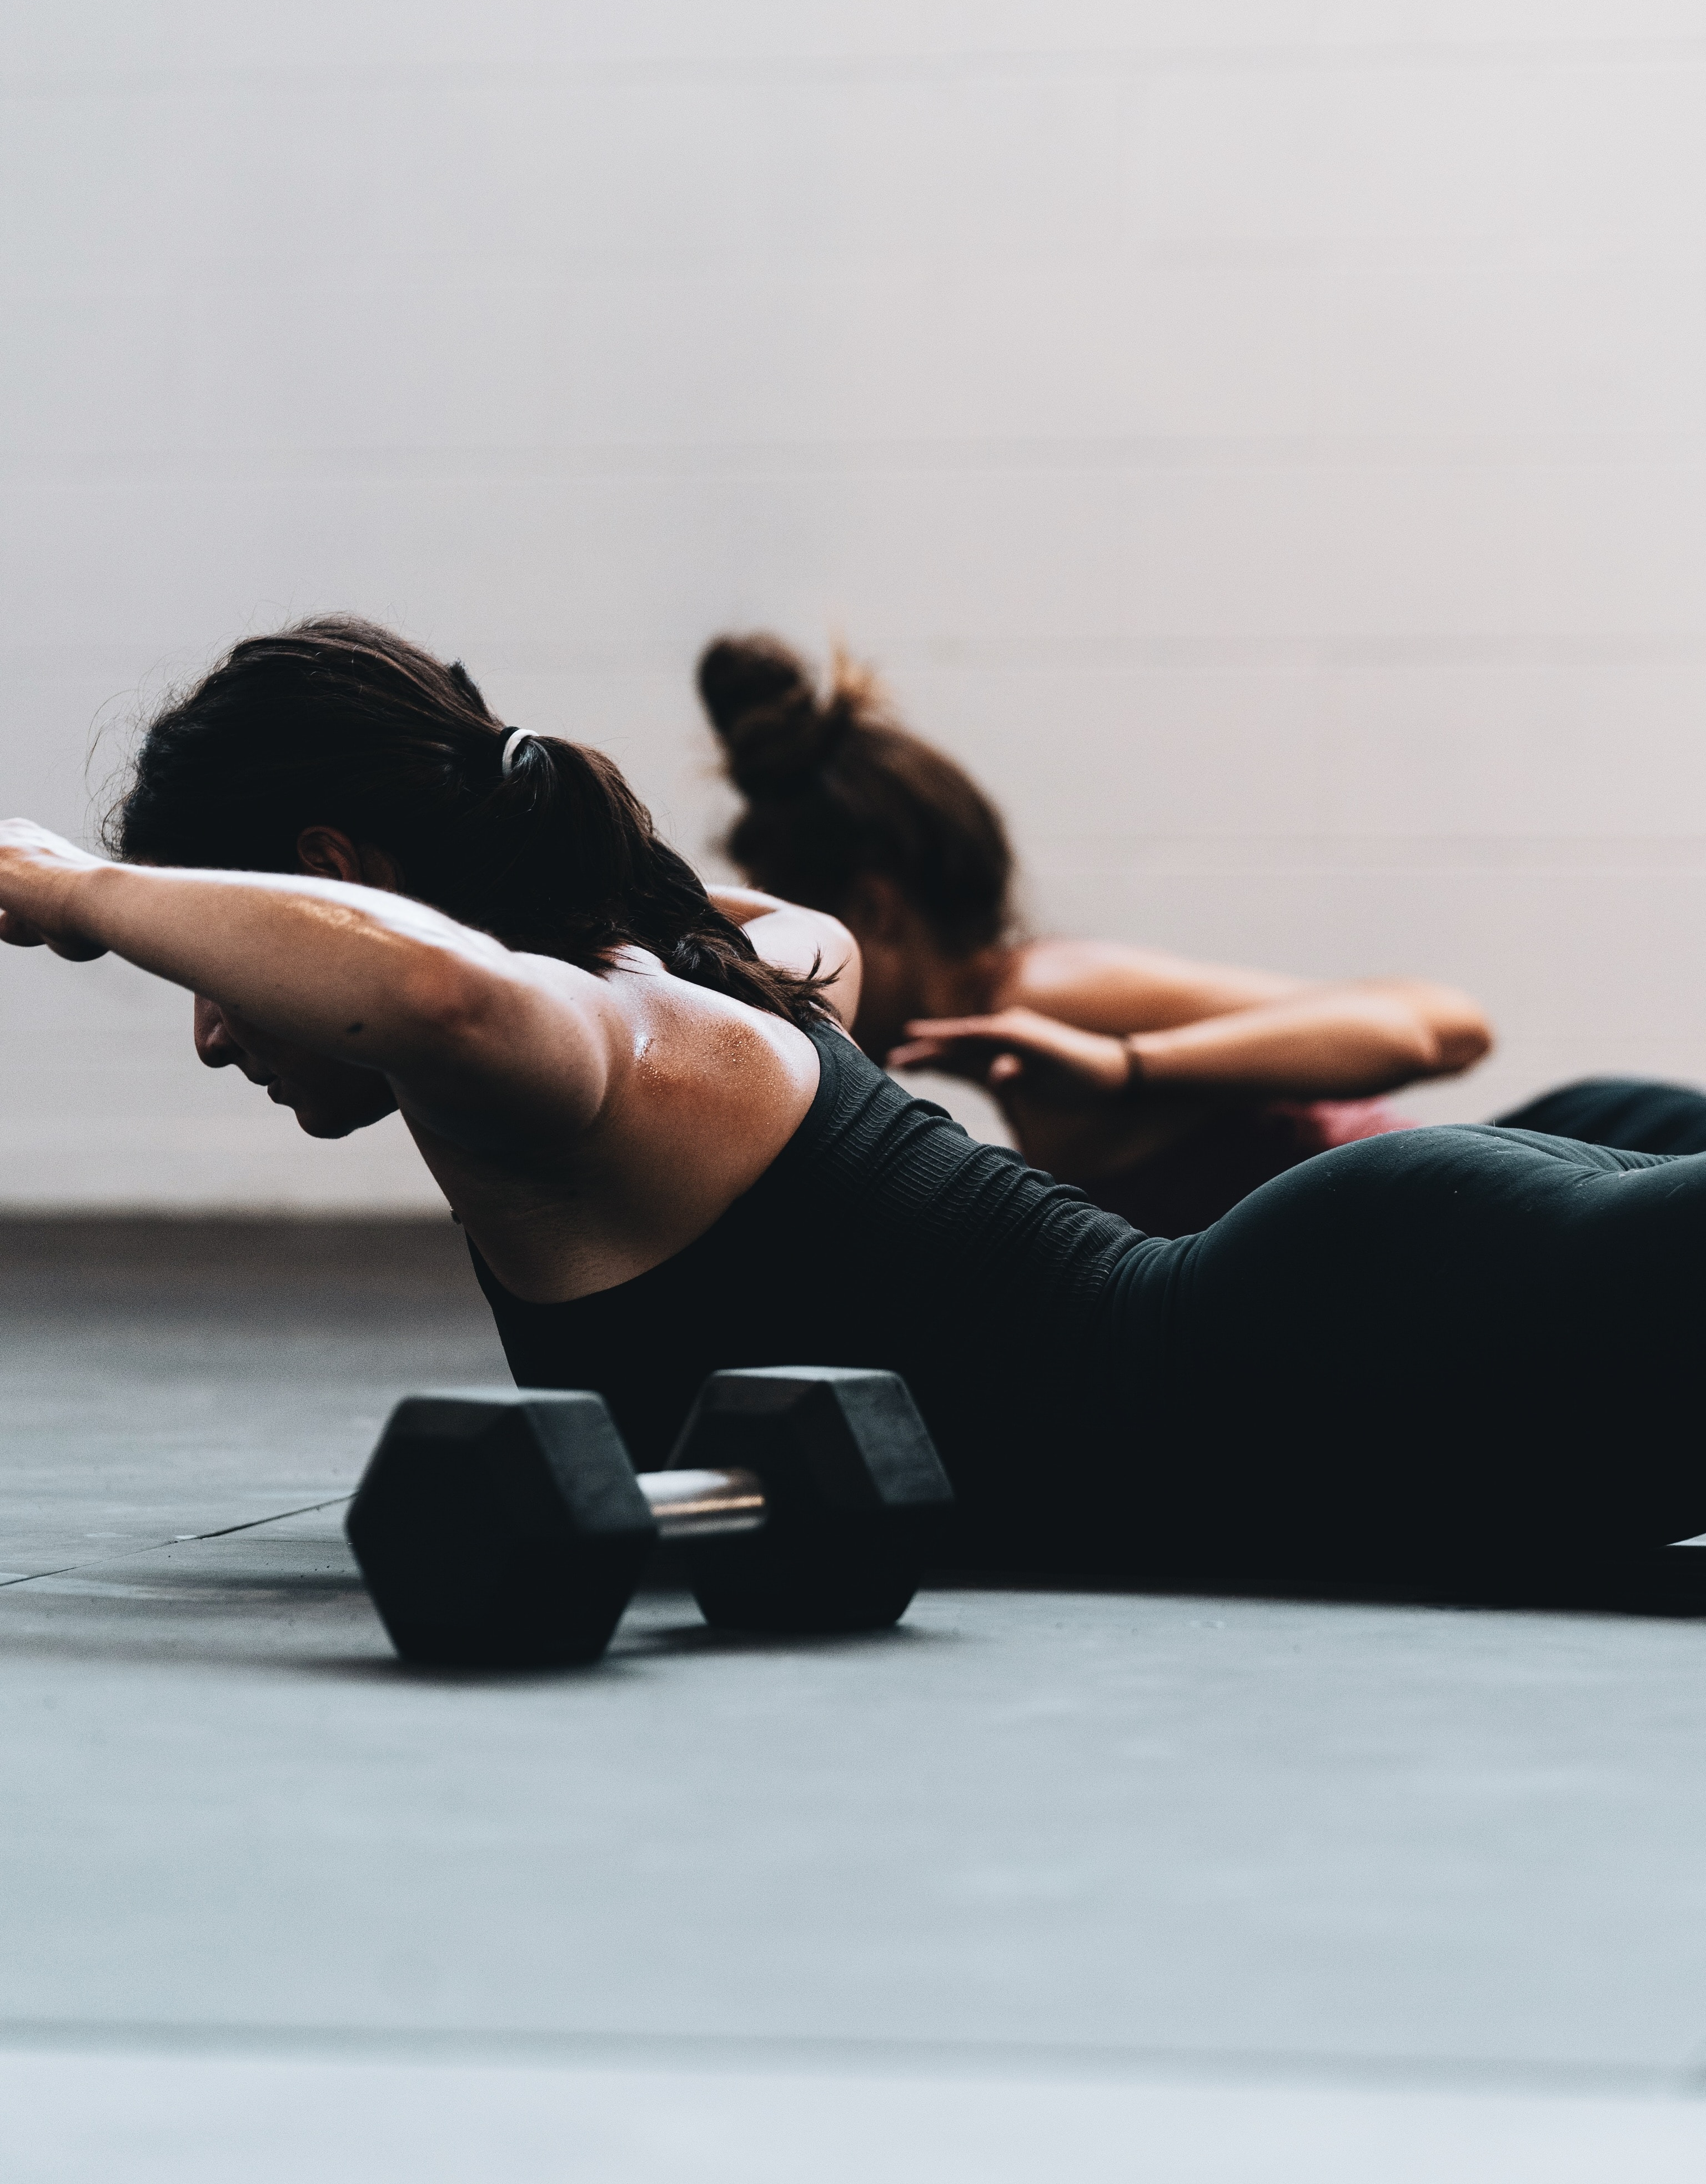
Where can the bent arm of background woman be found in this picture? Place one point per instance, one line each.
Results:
(1323, 1043)
(1224, 1029)
(1118, 1053)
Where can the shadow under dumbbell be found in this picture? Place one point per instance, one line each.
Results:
(700, 1638)
(665, 1620)
(388, 1668)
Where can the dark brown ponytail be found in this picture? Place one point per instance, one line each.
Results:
(836, 789)
(337, 722)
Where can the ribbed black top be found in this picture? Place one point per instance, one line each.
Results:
(883, 1235)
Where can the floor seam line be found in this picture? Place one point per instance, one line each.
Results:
(423, 2044)
(178, 1540)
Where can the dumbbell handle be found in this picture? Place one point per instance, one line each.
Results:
(704, 1505)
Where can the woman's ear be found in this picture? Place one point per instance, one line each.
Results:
(328, 854)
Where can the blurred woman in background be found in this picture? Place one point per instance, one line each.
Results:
(1167, 1089)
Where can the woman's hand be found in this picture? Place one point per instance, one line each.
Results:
(40, 876)
(1076, 1101)
(1054, 1062)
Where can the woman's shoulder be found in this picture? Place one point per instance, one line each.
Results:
(702, 1093)
(701, 1029)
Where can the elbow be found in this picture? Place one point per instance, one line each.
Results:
(1450, 1033)
(839, 948)
(843, 966)
(1462, 1046)
(833, 939)
(814, 943)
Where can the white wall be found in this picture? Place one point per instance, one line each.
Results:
(1264, 439)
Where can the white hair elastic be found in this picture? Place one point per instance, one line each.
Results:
(512, 743)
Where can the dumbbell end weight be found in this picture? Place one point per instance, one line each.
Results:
(855, 1498)
(500, 1527)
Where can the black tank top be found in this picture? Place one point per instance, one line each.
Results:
(882, 1234)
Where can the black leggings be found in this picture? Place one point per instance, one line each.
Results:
(1443, 1343)
(1634, 1113)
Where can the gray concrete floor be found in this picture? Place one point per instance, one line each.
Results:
(1044, 1882)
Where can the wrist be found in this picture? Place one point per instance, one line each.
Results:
(84, 893)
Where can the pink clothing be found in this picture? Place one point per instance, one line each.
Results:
(1332, 1123)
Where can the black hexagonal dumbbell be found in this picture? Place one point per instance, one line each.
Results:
(507, 1528)
(854, 1495)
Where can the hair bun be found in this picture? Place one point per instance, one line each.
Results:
(762, 703)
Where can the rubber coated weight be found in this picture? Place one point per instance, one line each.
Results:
(500, 1527)
(855, 1497)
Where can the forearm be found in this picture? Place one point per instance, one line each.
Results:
(347, 970)
(1348, 1042)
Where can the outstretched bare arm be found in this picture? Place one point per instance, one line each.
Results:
(1121, 1053)
(353, 972)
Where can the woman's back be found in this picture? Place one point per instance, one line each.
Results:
(1419, 1345)
(882, 1234)
(697, 1093)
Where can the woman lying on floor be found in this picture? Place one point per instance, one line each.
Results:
(669, 1158)
(1166, 1089)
